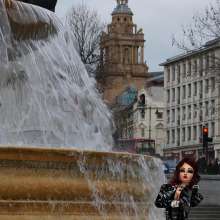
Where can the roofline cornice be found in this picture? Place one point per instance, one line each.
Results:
(189, 54)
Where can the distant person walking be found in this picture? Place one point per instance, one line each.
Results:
(202, 165)
(216, 166)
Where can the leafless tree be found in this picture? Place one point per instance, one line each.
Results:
(205, 26)
(204, 30)
(87, 28)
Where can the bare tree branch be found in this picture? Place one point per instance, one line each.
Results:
(205, 26)
(87, 28)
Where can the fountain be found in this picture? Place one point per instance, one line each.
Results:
(48, 99)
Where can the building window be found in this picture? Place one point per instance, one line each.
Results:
(168, 96)
(207, 62)
(135, 116)
(213, 84)
(200, 132)
(159, 114)
(189, 111)
(189, 133)
(213, 107)
(173, 136)
(195, 111)
(189, 91)
(168, 74)
(184, 92)
(178, 95)
(189, 68)
(130, 133)
(178, 116)
(173, 115)
(195, 66)
(201, 88)
(194, 132)
(201, 66)
(184, 70)
(168, 137)
(200, 112)
(183, 134)
(142, 112)
(206, 86)
(178, 73)
(168, 116)
(212, 59)
(206, 108)
(195, 88)
(184, 113)
(142, 132)
(173, 73)
(213, 129)
(173, 95)
(178, 137)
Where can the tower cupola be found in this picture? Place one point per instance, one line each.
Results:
(122, 8)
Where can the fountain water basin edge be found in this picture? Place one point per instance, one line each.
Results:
(46, 183)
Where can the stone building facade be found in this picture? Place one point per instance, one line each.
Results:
(141, 124)
(149, 119)
(192, 101)
(122, 55)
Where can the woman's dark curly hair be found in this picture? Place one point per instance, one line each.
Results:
(176, 181)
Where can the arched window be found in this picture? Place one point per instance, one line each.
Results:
(142, 99)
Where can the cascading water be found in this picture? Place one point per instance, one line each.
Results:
(48, 99)
(46, 95)
(147, 175)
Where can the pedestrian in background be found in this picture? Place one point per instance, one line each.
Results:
(216, 166)
(202, 165)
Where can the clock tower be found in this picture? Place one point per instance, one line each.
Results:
(122, 55)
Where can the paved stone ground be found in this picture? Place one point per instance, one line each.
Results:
(205, 213)
(210, 189)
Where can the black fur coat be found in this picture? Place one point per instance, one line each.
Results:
(177, 210)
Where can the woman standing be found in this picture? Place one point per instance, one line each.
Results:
(182, 192)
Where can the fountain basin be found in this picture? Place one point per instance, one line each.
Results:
(47, 183)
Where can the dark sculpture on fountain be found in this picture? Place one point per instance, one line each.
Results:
(48, 4)
(29, 27)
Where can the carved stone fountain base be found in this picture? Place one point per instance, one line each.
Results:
(68, 184)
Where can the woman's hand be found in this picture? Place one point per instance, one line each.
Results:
(178, 192)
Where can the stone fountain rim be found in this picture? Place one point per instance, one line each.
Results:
(71, 151)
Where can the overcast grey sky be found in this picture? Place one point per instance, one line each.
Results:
(158, 18)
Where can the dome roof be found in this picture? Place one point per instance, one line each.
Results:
(122, 9)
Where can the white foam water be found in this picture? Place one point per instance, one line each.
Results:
(46, 95)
